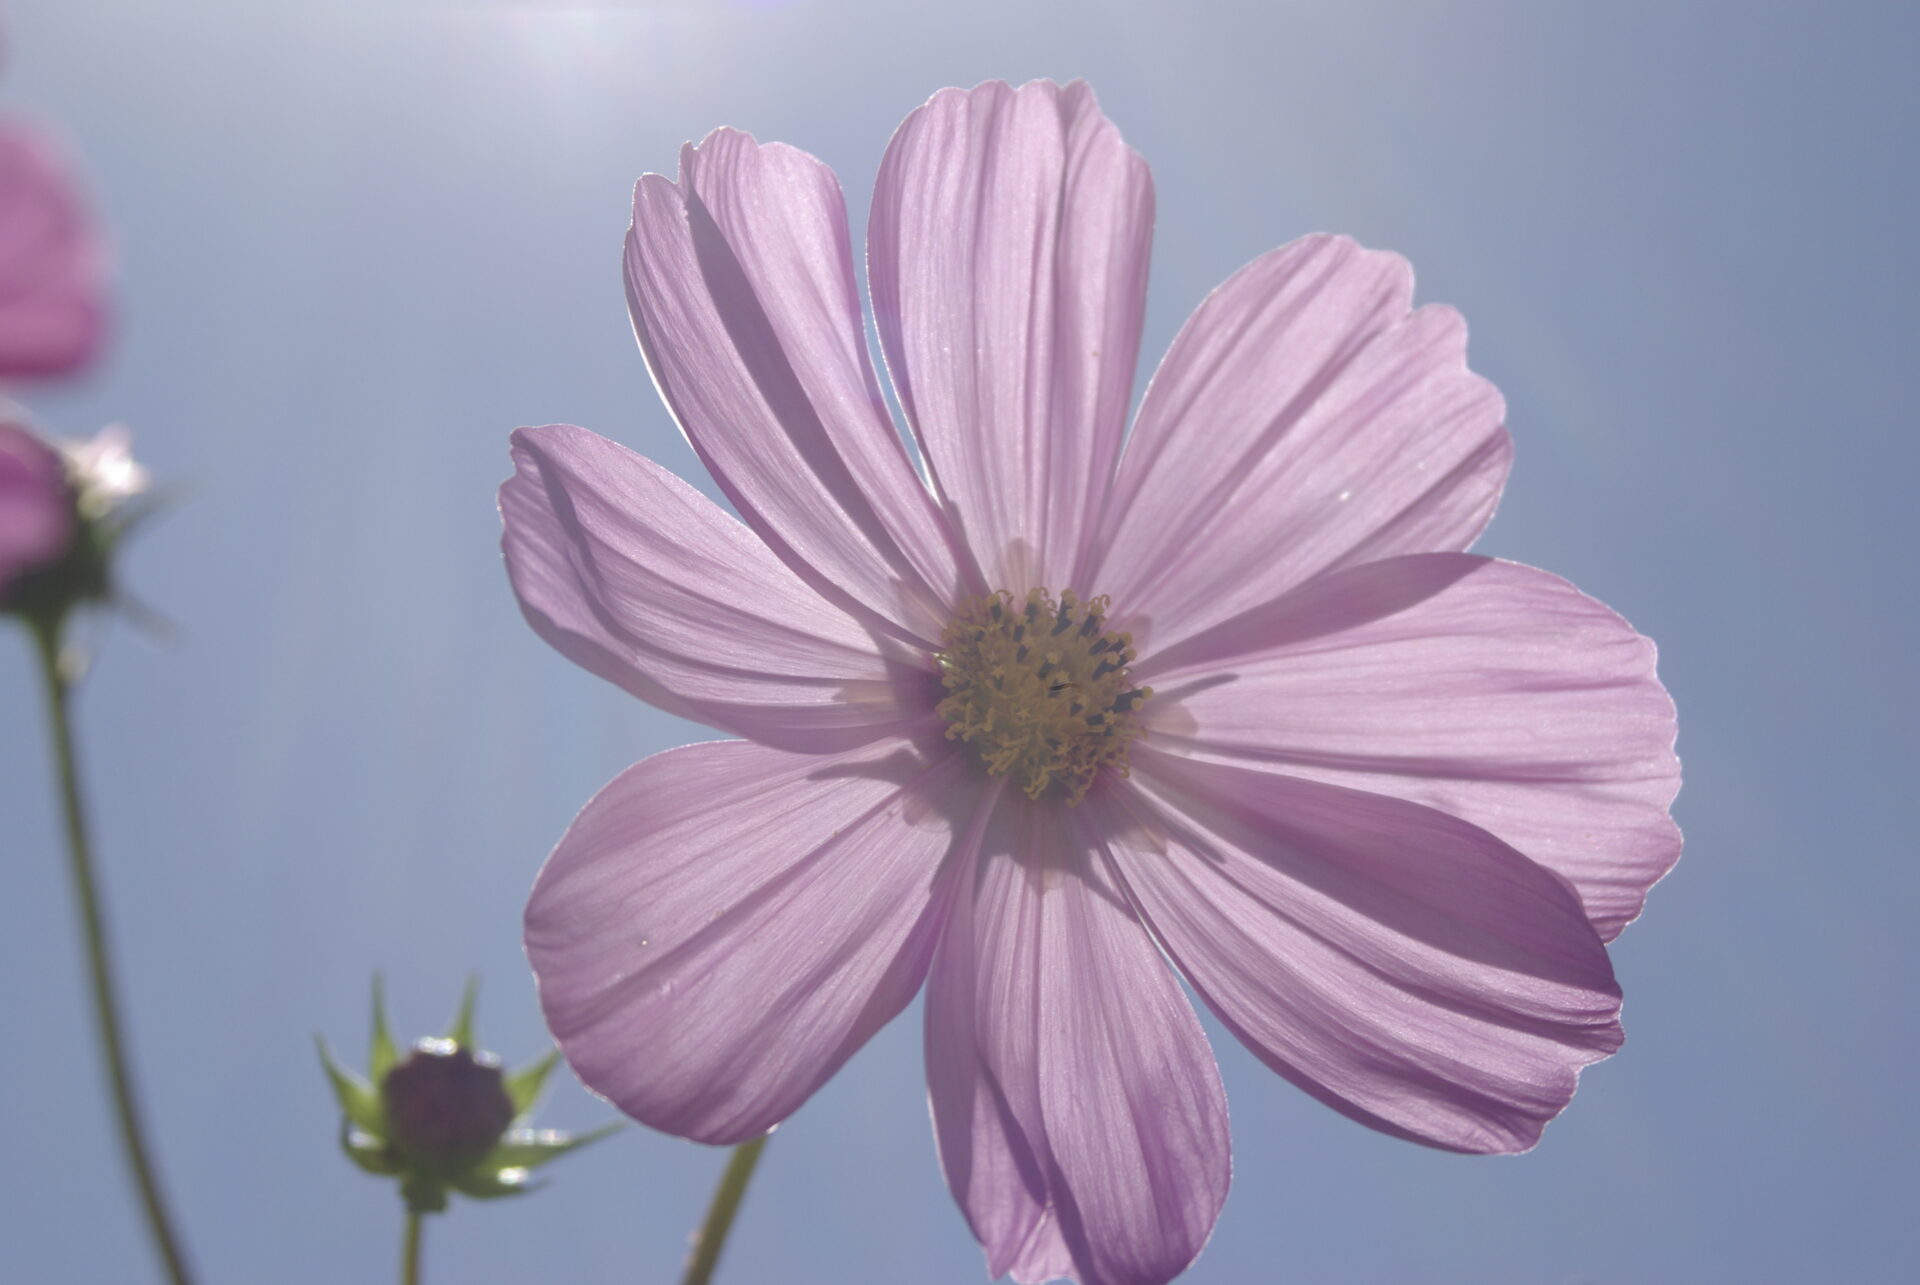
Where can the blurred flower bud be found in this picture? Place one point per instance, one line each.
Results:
(63, 511)
(442, 1118)
(445, 1107)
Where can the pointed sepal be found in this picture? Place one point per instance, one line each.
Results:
(524, 1085)
(382, 1055)
(358, 1100)
(461, 1031)
(531, 1148)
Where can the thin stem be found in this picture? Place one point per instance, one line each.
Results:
(106, 1007)
(410, 1251)
(712, 1236)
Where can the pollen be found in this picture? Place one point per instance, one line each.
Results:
(1040, 689)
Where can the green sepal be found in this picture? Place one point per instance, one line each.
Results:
(531, 1148)
(524, 1085)
(381, 1056)
(461, 1032)
(358, 1100)
(367, 1151)
(482, 1185)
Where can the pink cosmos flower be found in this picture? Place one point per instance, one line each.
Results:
(52, 271)
(1078, 707)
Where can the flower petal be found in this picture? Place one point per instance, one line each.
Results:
(1007, 253)
(636, 576)
(1081, 1121)
(52, 311)
(993, 1173)
(725, 924)
(741, 285)
(1404, 967)
(1302, 420)
(1491, 691)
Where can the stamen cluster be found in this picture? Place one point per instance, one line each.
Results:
(1040, 689)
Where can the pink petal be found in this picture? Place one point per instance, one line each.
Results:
(1408, 969)
(1491, 691)
(1080, 1117)
(741, 286)
(636, 576)
(51, 268)
(1008, 253)
(993, 1172)
(36, 504)
(725, 924)
(1302, 420)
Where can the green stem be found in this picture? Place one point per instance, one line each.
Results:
(712, 1236)
(106, 1008)
(410, 1251)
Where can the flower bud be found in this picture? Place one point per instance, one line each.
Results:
(442, 1119)
(63, 511)
(445, 1107)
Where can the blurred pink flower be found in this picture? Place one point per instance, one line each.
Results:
(52, 269)
(1379, 801)
(37, 518)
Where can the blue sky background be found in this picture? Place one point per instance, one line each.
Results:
(360, 242)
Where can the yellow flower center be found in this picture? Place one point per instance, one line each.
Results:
(1040, 689)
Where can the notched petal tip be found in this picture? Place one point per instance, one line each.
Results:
(721, 143)
(721, 139)
(530, 449)
(687, 158)
(1452, 323)
(542, 437)
(1663, 764)
(1073, 100)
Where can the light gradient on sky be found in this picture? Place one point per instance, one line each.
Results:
(360, 242)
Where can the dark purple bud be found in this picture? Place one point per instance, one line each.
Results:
(446, 1108)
